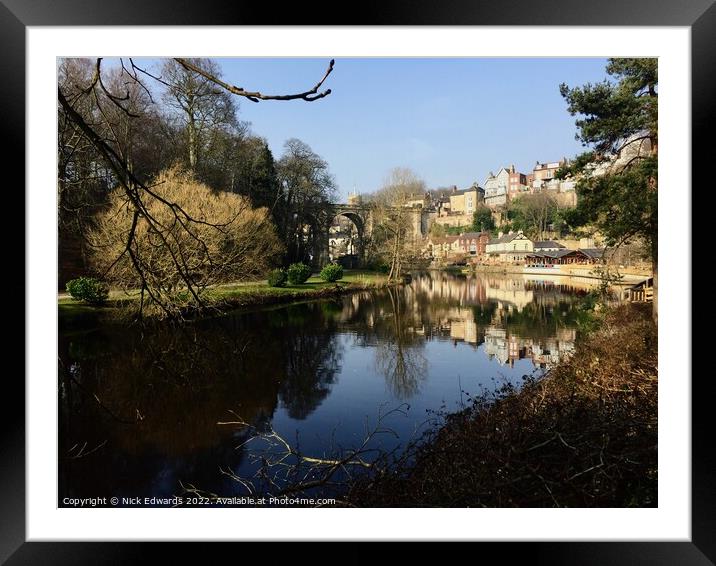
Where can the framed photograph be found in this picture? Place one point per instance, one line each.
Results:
(389, 279)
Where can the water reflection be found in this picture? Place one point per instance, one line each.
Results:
(138, 407)
(312, 361)
(515, 318)
(399, 355)
(154, 395)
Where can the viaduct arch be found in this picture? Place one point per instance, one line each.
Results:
(362, 217)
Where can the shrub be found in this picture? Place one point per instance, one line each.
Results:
(277, 278)
(332, 272)
(89, 290)
(378, 265)
(298, 273)
(189, 232)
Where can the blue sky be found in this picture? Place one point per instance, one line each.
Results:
(450, 120)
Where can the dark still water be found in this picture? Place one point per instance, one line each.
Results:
(139, 408)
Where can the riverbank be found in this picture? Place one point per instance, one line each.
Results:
(629, 276)
(231, 297)
(242, 294)
(585, 435)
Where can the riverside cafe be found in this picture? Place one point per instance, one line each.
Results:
(563, 257)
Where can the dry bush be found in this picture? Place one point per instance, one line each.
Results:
(195, 238)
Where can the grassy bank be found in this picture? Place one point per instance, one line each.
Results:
(260, 293)
(583, 436)
(244, 294)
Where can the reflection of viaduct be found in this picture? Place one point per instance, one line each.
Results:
(362, 217)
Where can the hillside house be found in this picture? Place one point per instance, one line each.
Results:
(511, 247)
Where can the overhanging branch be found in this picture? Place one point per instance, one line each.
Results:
(256, 96)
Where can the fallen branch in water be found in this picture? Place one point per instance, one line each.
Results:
(284, 469)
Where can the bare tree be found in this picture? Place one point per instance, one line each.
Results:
(85, 107)
(392, 224)
(307, 187)
(202, 108)
(75, 152)
(82, 177)
(535, 213)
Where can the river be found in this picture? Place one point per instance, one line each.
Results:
(139, 407)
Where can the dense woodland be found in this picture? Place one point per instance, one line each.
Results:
(150, 121)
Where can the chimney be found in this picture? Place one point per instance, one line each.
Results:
(509, 233)
(500, 234)
(512, 168)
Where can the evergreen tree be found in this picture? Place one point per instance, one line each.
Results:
(617, 177)
(258, 177)
(482, 220)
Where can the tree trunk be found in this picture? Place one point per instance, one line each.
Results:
(394, 267)
(192, 143)
(655, 262)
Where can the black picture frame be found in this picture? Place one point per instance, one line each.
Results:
(16, 15)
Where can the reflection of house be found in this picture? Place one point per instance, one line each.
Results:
(496, 344)
(438, 288)
(513, 246)
(513, 292)
(508, 347)
(489, 311)
(551, 350)
(463, 326)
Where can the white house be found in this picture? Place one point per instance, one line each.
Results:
(510, 247)
(496, 188)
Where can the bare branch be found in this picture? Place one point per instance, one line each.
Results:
(255, 96)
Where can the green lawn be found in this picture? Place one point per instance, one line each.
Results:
(353, 278)
(246, 291)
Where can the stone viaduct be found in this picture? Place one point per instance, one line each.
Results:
(361, 214)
